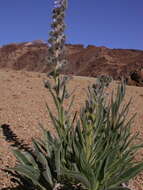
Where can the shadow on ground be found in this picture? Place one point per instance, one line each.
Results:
(22, 183)
(11, 137)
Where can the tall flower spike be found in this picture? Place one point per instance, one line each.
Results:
(56, 42)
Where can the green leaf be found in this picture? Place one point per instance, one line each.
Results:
(54, 120)
(30, 173)
(71, 103)
(132, 172)
(39, 155)
(77, 176)
(21, 157)
(31, 159)
(58, 159)
(44, 162)
(48, 177)
(129, 174)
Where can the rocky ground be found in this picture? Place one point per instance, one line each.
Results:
(22, 107)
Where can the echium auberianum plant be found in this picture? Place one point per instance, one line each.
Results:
(102, 144)
(43, 166)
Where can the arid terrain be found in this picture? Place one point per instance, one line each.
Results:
(22, 107)
(90, 61)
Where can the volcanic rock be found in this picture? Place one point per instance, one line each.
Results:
(90, 61)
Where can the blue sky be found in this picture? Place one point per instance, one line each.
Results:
(111, 23)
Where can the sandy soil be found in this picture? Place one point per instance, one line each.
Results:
(22, 106)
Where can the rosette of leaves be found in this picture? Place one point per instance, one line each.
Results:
(102, 144)
(42, 165)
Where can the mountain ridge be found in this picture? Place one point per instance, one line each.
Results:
(90, 61)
